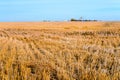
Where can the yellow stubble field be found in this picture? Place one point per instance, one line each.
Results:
(60, 51)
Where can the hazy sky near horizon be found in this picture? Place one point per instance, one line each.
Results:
(38, 10)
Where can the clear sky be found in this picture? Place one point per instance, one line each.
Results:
(38, 10)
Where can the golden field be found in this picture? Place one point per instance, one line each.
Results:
(60, 51)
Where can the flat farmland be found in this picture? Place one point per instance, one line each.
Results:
(60, 51)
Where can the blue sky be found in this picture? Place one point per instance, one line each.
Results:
(38, 10)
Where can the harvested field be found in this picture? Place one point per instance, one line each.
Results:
(60, 51)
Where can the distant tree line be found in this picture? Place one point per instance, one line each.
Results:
(82, 20)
